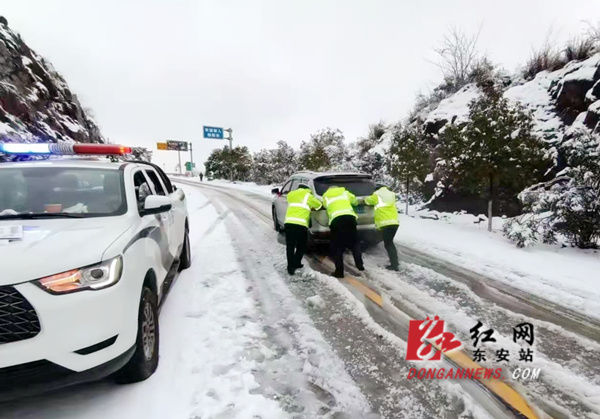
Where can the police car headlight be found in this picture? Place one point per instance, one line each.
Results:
(93, 277)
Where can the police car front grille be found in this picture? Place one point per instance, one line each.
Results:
(18, 319)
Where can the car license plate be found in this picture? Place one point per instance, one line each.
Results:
(13, 232)
(360, 209)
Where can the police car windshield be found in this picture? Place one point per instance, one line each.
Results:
(359, 186)
(44, 192)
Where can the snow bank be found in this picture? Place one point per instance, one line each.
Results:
(565, 276)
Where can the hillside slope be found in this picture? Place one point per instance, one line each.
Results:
(36, 103)
(560, 101)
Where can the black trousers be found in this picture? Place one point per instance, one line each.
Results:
(344, 235)
(388, 233)
(295, 245)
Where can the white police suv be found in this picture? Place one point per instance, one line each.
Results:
(88, 250)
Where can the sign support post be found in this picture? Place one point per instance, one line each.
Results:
(179, 159)
(230, 138)
(216, 133)
(179, 146)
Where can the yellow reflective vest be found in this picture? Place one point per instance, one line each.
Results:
(384, 202)
(338, 201)
(300, 202)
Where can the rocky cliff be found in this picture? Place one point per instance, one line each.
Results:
(36, 103)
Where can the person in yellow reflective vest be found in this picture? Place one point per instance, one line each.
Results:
(300, 202)
(386, 221)
(342, 222)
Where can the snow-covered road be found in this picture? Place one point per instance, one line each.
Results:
(567, 344)
(240, 338)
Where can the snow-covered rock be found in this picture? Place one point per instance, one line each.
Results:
(535, 95)
(592, 116)
(574, 81)
(453, 109)
(36, 103)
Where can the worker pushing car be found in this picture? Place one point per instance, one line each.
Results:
(342, 222)
(300, 202)
(386, 220)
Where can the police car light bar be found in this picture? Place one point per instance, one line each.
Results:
(63, 149)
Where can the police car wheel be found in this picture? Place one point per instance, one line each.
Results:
(144, 361)
(185, 259)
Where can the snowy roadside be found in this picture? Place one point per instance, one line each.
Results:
(565, 276)
(250, 366)
(221, 324)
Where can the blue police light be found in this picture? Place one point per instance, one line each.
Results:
(24, 148)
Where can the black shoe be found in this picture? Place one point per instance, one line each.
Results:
(361, 268)
(391, 268)
(291, 271)
(337, 274)
(299, 266)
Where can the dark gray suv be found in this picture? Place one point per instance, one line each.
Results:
(360, 184)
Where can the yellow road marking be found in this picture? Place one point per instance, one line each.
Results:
(366, 291)
(498, 387)
(501, 389)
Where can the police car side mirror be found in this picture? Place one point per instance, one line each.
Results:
(155, 204)
(275, 191)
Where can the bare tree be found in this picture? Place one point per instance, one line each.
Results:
(593, 32)
(457, 56)
(546, 57)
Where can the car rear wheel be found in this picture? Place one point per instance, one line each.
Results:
(311, 246)
(144, 361)
(275, 220)
(185, 259)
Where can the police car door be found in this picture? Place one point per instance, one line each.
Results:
(155, 225)
(173, 219)
(281, 206)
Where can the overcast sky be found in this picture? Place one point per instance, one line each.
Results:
(154, 70)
